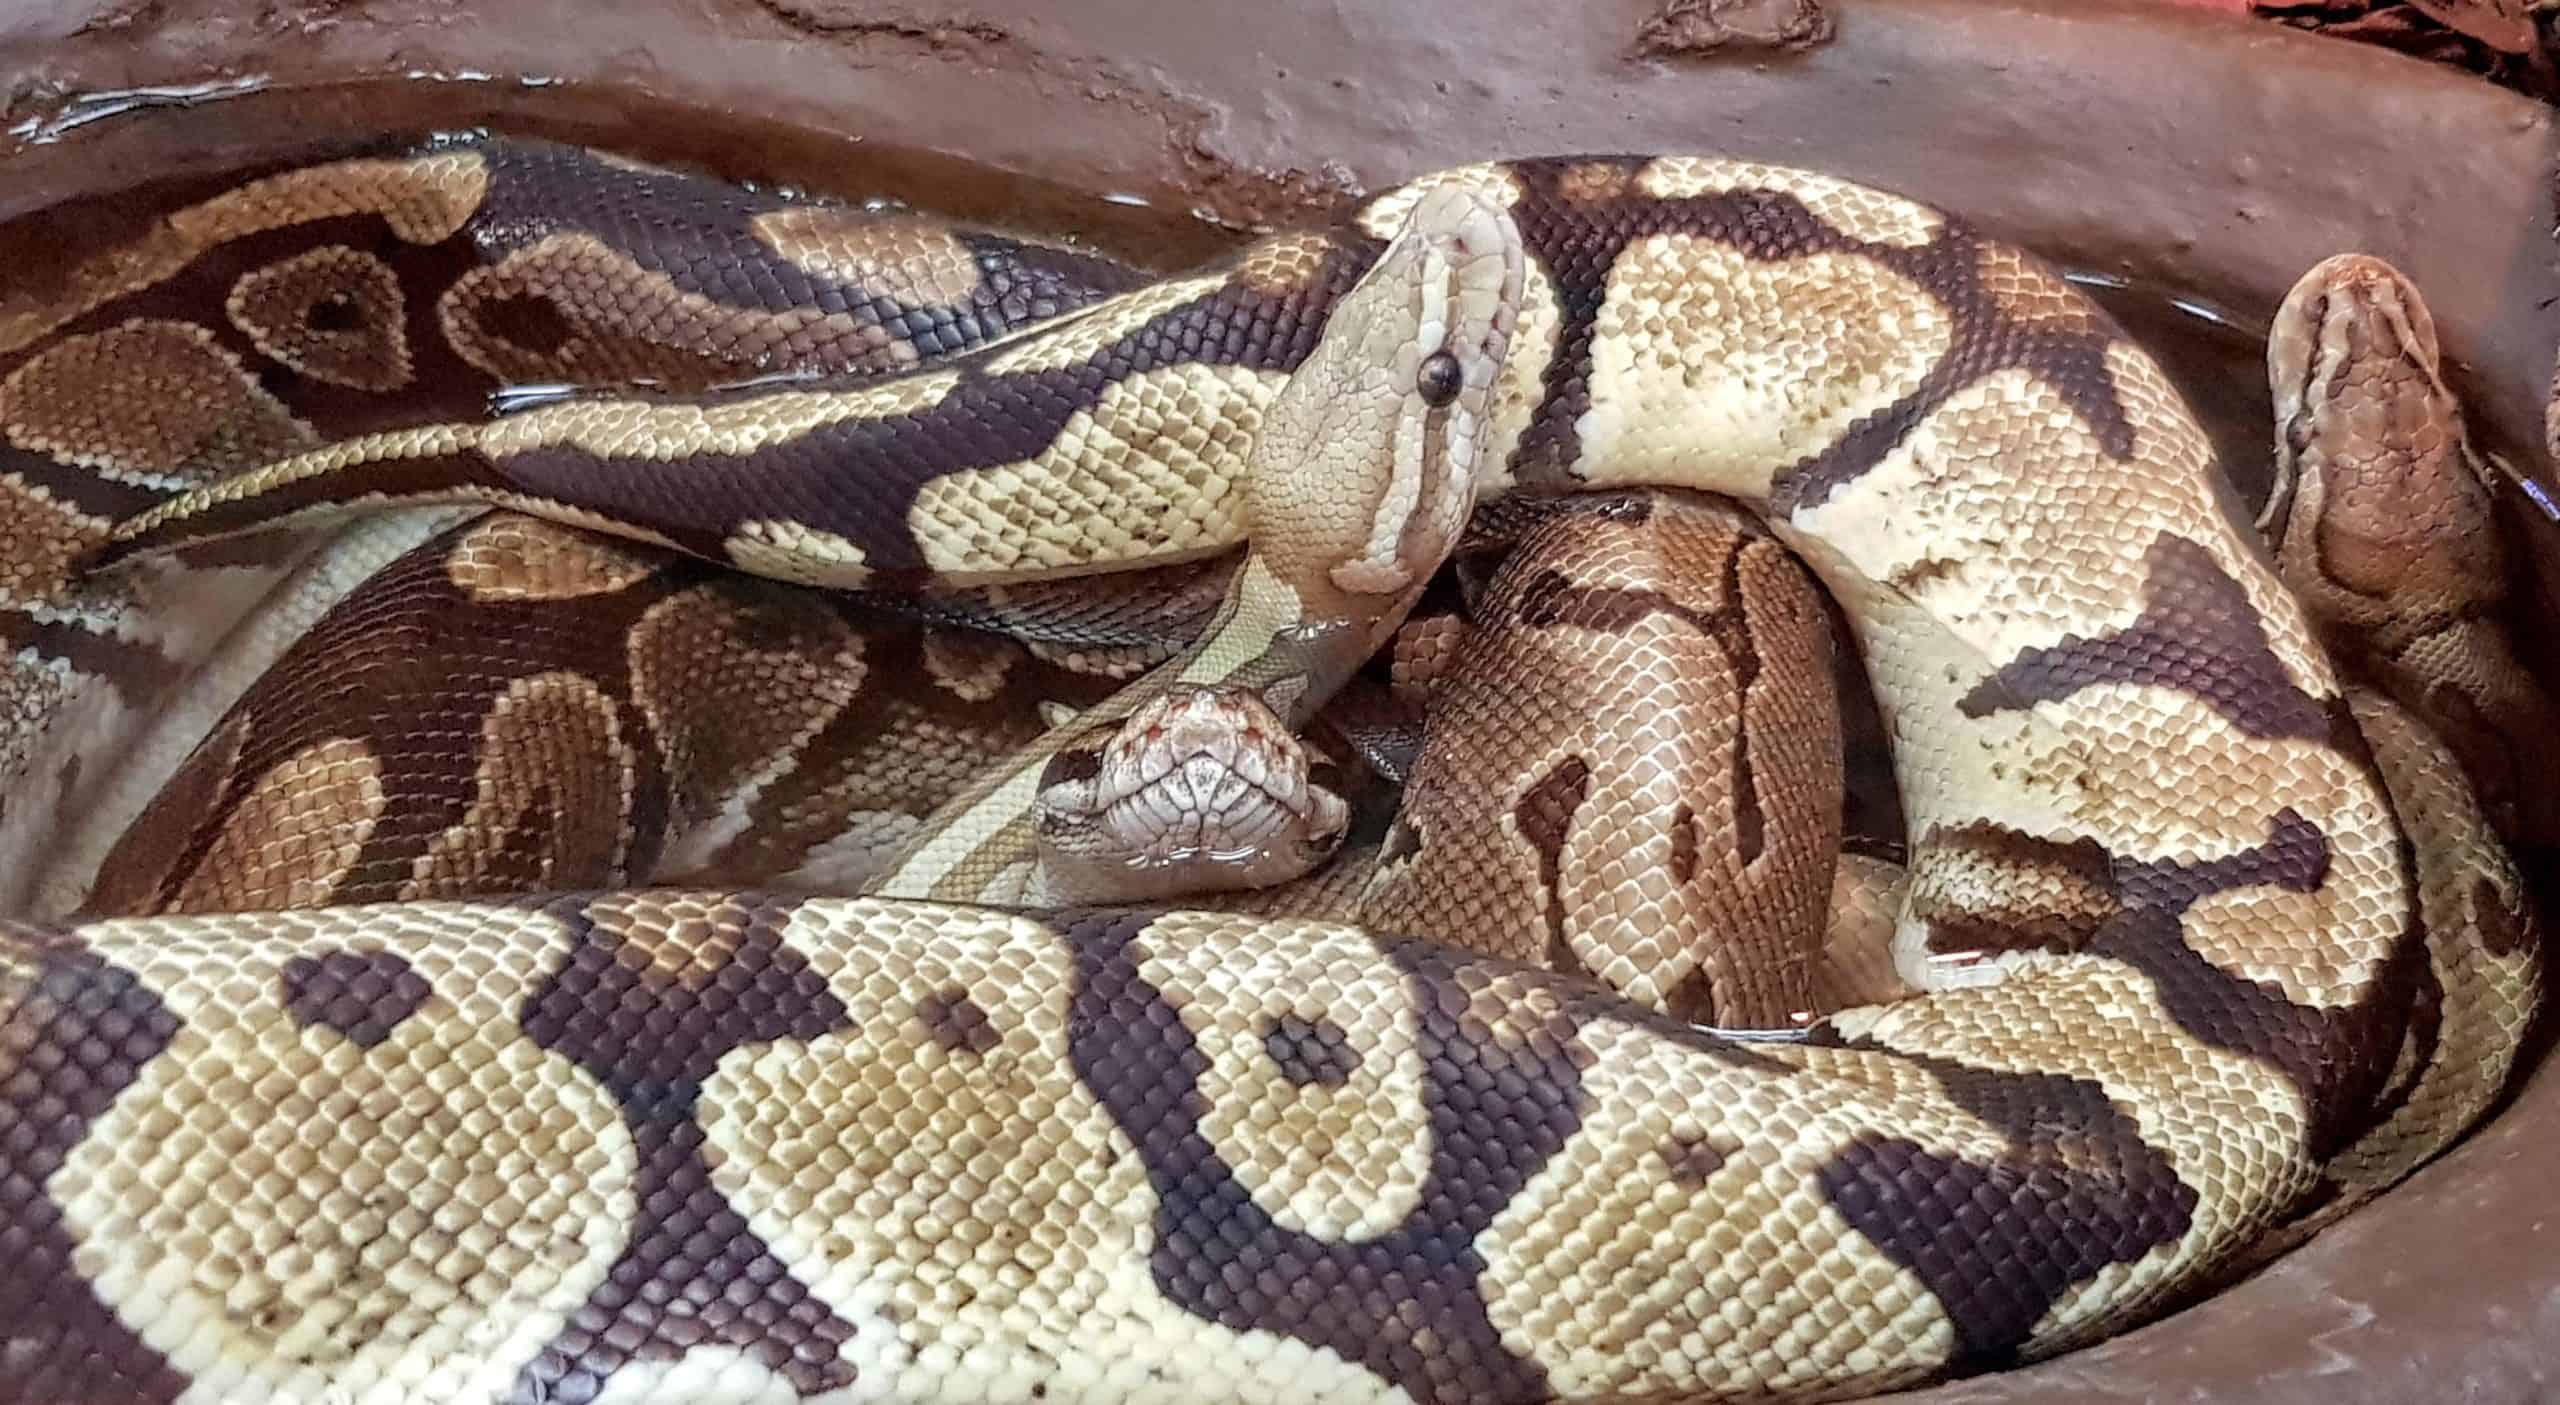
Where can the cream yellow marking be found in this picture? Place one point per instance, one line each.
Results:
(267, 1202)
(2180, 1093)
(1340, 1161)
(918, 257)
(1284, 264)
(1622, 1274)
(610, 428)
(1519, 388)
(1093, 498)
(509, 556)
(784, 550)
(426, 441)
(978, 1192)
(1712, 371)
(1854, 210)
(1265, 606)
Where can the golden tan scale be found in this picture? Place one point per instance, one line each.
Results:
(2208, 944)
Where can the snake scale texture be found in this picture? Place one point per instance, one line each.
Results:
(505, 918)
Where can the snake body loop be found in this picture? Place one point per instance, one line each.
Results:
(2210, 944)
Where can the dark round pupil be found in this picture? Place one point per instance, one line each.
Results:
(1439, 379)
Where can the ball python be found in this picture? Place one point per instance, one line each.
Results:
(929, 1150)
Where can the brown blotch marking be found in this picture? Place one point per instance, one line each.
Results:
(363, 995)
(40, 538)
(2080, 876)
(2504, 929)
(1684, 844)
(555, 796)
(1544, 816)
(1927, 571)
(733, 675)
(969, 664)
(957, 1023)
(1998, 1242)
(692, 1272)
(159, 853)
(414, 664)
(1551, 598)
(2197, 634)
(74, 1034)
(842, 774)
(208, 414)
(1691, 1159)
(421, 200)
(1315, 1052)
(551, 324)
(333, 313)
(528, 321)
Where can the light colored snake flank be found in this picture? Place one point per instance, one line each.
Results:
(2210, 944)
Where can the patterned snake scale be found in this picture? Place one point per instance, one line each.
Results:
(2213, 945)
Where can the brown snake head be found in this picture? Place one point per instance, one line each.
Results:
(2364, 415)
(1199, 785)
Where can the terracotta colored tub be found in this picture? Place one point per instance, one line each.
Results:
(2176, 148)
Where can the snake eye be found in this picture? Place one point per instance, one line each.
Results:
(1438, 379)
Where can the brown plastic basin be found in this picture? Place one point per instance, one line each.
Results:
(2180, 149)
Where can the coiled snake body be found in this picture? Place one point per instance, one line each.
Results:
(2213, 946)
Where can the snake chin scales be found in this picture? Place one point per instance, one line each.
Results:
(531, 906)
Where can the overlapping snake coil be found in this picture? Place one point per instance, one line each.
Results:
(441, 978)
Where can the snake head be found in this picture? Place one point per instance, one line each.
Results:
(1372, 452)
(2360, 401)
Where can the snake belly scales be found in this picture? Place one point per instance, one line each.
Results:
(2214, 944)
